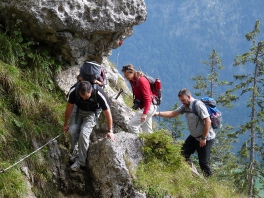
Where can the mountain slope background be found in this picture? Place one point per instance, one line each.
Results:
(178, 35)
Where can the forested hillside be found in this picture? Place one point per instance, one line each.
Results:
(178, 34)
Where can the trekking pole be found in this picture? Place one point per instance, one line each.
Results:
(4, 170)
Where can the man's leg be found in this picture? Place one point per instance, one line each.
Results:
(204, 155)
(188, 148)
(87, 126)
(74, 130)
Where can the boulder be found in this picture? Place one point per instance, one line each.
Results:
(111, 166)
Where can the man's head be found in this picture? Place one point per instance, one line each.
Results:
(185, 96)
(85, 90)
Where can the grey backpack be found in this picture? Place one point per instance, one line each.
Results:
(91, 71)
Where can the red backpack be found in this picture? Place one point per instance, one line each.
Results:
(156, 87)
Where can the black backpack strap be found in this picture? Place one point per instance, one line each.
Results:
(131, 83)
(95, 90)
(195, 111)
(77, 98)
(194, 108)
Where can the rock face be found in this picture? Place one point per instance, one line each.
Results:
(112, 165)
(75, 30)
(109, 173)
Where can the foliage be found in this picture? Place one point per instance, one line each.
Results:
(36, 64)
(12, 184)
(251, 85)
(159, 145)
(163, 172)
(208, 84)
(31, 108)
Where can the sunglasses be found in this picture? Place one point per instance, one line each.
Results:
(126, 68)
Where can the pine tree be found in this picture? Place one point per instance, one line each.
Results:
(252, 85)
(207, 84)
(223, 159)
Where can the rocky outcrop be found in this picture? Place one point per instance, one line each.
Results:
(75, 30)
(112, 165)
(109, 173)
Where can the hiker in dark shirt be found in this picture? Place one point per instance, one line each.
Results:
(82, 111)
(201, 136)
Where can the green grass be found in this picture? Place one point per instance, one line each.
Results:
(12, 183)
(31, 108)
(165, 173)
(22, 121)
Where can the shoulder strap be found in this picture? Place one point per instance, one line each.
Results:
(195, 111)
(77, 98)
(194, 107)
(77, 86)
(137, 81)
(95, 90)
(131, 83)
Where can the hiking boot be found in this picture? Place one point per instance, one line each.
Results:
(76, 166)
(75, 154)
(73, 158)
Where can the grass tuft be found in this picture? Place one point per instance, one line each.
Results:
(12, 183)
(164, 173)
(31, 109)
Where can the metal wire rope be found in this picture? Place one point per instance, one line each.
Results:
(4, 170)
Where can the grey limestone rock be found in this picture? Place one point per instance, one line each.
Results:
(110, 169)
(112, 165)
(75, 30)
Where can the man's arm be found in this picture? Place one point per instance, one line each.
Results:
(67, 116)
(207, 126)
(109, 122)
(167, 114)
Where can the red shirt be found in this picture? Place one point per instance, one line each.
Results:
(142, 91)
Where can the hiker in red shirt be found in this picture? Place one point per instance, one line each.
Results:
(143, 101)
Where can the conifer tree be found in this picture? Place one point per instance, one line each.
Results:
(222, 158)
(207, 84)
(251, 85)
